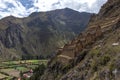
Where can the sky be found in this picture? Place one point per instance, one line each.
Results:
(23, 8)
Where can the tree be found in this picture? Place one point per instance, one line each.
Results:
(38, 72)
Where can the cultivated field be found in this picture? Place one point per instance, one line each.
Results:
(10, 69)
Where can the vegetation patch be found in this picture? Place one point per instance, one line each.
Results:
(94, 52)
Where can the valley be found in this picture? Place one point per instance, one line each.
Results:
(10, 70)
(39, 35)
(62, 44)
(27, 43)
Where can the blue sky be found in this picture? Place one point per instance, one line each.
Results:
(23, 8)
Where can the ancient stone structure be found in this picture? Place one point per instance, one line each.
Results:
(72, 49)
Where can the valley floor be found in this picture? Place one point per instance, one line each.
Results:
(16, 69)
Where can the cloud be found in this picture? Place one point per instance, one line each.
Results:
(22, 8)
(92, 6)
(12, 7)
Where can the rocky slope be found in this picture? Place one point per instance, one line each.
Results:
(40, 34)
(95, 53)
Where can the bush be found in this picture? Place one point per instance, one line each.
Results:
(38, 72)
(104, 60)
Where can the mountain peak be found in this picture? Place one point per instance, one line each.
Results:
(54, 11)
(68, 8)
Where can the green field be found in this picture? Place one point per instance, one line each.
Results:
(10, 69)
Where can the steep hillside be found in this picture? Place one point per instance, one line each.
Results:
(95, 53)
(40, 34)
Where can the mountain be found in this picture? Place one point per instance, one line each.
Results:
(40, 34)
(94, 54)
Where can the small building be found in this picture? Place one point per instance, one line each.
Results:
(27, 75)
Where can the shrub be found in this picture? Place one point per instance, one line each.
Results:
(94, 66)
(38, 72)
(104, 60)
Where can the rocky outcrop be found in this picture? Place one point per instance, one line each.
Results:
(91, 54)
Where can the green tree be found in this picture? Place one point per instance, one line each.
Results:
(38, 72)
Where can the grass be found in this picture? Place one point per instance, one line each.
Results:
(9, 78)
(22, 69)
(94, 52)
(25, 61)
(33, 66)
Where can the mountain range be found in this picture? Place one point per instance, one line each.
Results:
(94, 54)
(39, 34)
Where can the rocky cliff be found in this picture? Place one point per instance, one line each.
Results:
(95, 53)
(40, 34)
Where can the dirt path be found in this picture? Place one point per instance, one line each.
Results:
(64, 56)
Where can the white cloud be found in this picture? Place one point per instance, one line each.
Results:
(16, 7)
(12, 7)
(92, 6)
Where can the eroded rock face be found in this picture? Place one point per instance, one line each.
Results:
(40, 34)
(91, 55)
(12, 36)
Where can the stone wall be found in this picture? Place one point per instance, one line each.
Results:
(84, 39)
